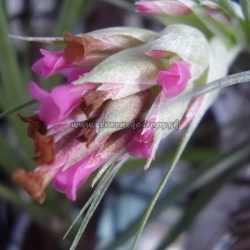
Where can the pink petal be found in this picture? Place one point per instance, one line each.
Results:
(141, 145)
(38, 66)
(70, 180)
(150, 8)
(60, 102)
(66, 99)
(37, 92)
(51, 117)
(175, 79)
(133, 148)
(52, 63)
(146, 149)
(171, 8)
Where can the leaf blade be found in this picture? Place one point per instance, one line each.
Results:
(206, 103)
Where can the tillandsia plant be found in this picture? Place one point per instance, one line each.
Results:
(108, 107)
(125, 90)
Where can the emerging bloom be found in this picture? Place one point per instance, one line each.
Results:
(174, 80)
(60, 102)
(52, 63)
(87, 50)
(100, 115)
(171, 8)
(216, 12)
(142, 143)
(213, 19)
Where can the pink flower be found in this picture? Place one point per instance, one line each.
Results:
(87, 50)
(68, 153)
(169, 7)
(82, 125)
(70, 180)
(57, 105)
(51, 64)
(141, 144)
(175, 79)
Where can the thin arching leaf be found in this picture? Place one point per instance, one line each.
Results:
(87, 204)
(245, 6)
(96, 200)
(55, 40)
(11, 111)
(228, 6)
(208, 99)
(202, 176)
(242, 77)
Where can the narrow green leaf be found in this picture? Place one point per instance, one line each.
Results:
(242, 77)
(94, 205)
(227, 6)
(106, 166)
(208, 99)
(200, 177)
(55, 40)
(11, 111)
(98, 188)
(245, 6)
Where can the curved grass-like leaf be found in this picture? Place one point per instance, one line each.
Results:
(245, 6)
(227, 5)
(94, 200)
(208, 100)
(198, 178)
(24, 105)
(242, 77)
(98, 188)
(55, 40)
